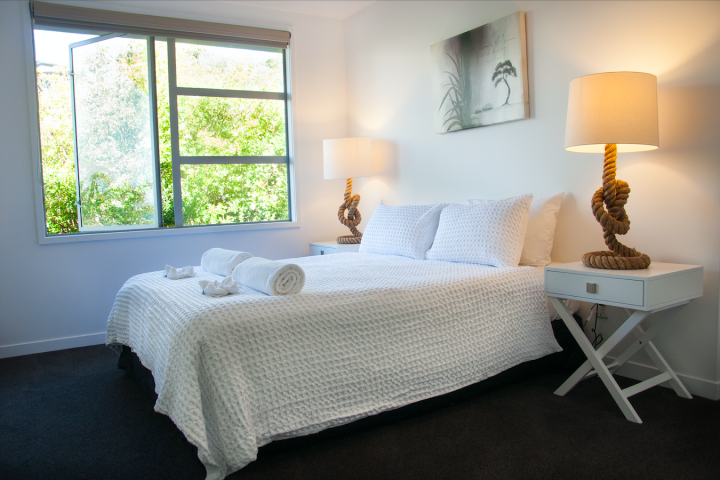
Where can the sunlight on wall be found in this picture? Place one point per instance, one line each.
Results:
(669, 208)
(393, 96)
(659, 44)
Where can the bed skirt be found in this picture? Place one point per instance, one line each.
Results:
(570, 358)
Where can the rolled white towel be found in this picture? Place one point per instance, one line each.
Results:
(270, 277)
(221, 261)
(173, 273)
(217, 288)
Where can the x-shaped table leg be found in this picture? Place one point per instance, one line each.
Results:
(644, 339)
(594, 365)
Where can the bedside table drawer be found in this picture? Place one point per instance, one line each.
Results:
(606, 289)
(321, 250)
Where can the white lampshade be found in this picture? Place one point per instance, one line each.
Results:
(617, 107)
(347, 158)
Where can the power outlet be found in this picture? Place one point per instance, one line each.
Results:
(602, 311)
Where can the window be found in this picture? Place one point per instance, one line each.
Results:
(142, 131)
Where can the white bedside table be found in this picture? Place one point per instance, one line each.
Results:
(662, 286)
(331, 246)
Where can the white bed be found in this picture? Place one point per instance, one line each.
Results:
(368, 333)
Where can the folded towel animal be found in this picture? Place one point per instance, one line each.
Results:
(173, 273)
(270, 277)
(221, 261)
(218, 288)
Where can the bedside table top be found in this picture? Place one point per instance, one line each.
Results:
(655, 287)
(655, 270)
(326, 243)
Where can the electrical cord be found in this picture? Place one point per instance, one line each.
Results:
(598, 336)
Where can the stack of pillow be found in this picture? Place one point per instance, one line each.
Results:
(501, 233)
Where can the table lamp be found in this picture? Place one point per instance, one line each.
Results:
(613, 112)
(348, 158)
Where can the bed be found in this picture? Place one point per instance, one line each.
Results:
(368, 334)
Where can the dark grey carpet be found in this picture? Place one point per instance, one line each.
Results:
(73, 415)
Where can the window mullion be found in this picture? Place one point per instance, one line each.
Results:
(78, 199)
(152, 89)
(288, 145)
(174, 133)
(228, 93)
(251, 160)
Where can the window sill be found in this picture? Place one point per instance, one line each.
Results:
(163, 232)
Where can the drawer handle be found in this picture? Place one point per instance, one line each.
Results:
(591, 287)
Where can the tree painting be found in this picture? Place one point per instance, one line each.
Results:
(502, 71)
(467, 70)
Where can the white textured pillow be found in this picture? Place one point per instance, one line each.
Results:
(407, 230)
(540, 230)
(489, 233)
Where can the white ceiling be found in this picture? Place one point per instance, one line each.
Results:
(340, 9)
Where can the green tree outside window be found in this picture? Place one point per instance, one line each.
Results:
(212, 194)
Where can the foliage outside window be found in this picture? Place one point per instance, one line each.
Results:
(111, 159)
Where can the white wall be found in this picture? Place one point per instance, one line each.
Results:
(51, 292)
(675, 202)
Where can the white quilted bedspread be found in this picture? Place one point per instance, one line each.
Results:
(368, 333)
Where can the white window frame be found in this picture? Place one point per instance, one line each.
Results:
(44, 238)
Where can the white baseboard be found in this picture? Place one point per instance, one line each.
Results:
(696, 386)
(16, 350)
(637, 371)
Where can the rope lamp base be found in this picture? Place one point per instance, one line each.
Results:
(613, 195)
(613, 261)
(349, 239)
(353, 218)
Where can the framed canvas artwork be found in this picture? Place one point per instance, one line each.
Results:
(480, 77)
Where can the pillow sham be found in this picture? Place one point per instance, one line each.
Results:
(406, 230)
(540, 230)
(489, 233)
